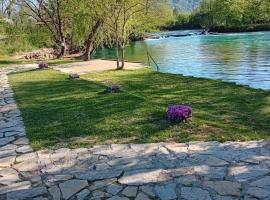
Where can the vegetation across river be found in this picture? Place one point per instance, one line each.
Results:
(225, 16)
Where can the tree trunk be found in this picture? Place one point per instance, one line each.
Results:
(89, 43)
(121, 58)
(62, 49)
(88, 51)
(117, 57)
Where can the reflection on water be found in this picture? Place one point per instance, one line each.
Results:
(241, 58)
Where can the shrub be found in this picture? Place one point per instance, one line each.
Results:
(43, 65)
(179, 113)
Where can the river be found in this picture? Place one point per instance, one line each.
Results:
(242, 58)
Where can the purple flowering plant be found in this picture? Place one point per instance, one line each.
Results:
(179, 113)
(43, 65)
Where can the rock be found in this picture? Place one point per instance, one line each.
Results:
(215, 162)
(147, 190)
(12, 133)
(130, 163)
(15, 187)
(83, 194)
(40, 198)
(263, 182)
(36, 180)
(55, 192)
(225, 187)
(7, 161)
(202, 146)
(99, 175)
(26, 157)
(217, 197)
(71, 187)
(7, 171)
(74, 76)
(130, 191)
(114, 189)
(27, 166)
(7, 153)
(18, 128)
(187, 180)
(250, 198)
(7, 179)
(166, 192)
(118, 198)
(102, 166)
(98, 194)
(21, 141)
(247, 172)
(258, 192)
(194, 193)
(101, 184)
(54, 179)
(9, 147)
(6, 140)
(24, 149)
(182, 171)
(176, 148)
(101, 150)
(255, 159)
(141, 177)
(112, 89)
(211, 172)
(142, 196)
(145, 149)
(26, 194)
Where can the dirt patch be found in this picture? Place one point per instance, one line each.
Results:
(95, 66)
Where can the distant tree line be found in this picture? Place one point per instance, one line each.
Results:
(235, 15)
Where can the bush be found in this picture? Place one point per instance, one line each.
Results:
(43, 65)
(179, 113)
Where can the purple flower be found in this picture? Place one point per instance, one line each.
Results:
(179, 113)
(43, 65)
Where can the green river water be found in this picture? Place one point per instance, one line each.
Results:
(241, 58)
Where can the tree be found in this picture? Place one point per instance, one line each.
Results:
(49, 13)
(7, 7)
(125, 17)
(265, 9)
(88, 17)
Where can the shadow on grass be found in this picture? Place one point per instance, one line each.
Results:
(4, 63)
(55, 109)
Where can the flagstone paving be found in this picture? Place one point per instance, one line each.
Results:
(166, 171)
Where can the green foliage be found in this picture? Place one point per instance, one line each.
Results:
(225, 13)
(24, 38)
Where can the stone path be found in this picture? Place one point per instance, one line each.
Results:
(166, 171)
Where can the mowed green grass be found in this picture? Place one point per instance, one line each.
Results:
(75, 113)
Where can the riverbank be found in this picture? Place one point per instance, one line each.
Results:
(223, 29)
(59, 112)
(240, 29)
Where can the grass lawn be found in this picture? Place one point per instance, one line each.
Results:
(60, 112)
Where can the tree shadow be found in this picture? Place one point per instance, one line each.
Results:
(54, 108)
